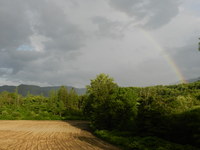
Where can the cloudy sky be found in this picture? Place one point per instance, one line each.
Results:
(69, 42)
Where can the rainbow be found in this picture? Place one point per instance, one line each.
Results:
(167, 57)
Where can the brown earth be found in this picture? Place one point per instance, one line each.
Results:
(49, 135)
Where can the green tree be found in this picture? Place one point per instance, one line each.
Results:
(62, 94)
(110, 107)
(53, 98)
(61, 108)
(102, 87)
(72, 102)
(124, 109)
(101, 90)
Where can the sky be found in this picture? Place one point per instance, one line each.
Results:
(69, 42)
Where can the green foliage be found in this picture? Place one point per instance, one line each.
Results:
(168, 112)
(62, 94)
(100, 92)
(123, 107)
(107, 104)
(56, 107)
(140, 143)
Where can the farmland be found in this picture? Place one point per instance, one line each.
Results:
(46, 135)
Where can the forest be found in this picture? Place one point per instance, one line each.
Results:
(139, 118)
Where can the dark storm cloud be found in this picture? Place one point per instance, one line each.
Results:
(52, 22)
(17, 60)
(68, 42)
(22, 19)
(14, 24)
(154, 13)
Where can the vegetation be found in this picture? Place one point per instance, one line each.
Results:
(157, 117)
(128, 142)
(60, 105)
(155, 114)
(107, 104)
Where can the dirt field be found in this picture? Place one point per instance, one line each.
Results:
(49, 135)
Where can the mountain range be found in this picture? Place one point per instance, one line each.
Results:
(37, 90)
(193, 80)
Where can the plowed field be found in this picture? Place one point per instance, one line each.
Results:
(49, 135)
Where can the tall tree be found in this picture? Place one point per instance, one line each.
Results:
(72, 102)
(62, 94)
(101, 90)
(102, 87)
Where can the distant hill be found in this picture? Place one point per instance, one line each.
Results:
(37, 90)
(188, 80)
(193, 80)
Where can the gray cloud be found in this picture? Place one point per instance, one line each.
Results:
(150, 14)
(17, 60)
(108, 28)
(188, 60)
(66, 42)
(53, 23)
(5, 71)
(23, 19)
(44, 18)
(14, 27)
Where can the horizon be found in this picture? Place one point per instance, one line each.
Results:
(175, 83)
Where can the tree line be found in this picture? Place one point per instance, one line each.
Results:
(61, 104)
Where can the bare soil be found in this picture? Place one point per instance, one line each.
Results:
(49, 135)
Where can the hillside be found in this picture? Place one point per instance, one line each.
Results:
(193, 80)
(37, 90)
